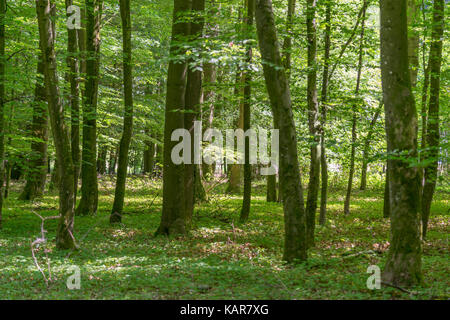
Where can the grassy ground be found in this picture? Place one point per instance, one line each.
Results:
(220, 259)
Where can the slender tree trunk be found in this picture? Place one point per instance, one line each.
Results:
(89, 186)
(117, 209)
(64, 236)
(366, 149)
(354, 116)
(193, 101)
(314, 124)
(37, 174)
(2, 101)
(73, 65)
(295, 247)
(403, 265)
(245, 211)
(149, 156)
(101, 159)
(271, 188)
(323, 105)
(173, 218)
(432, 134)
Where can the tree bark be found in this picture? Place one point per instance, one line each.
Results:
(295, 247)
(323, 110)
(403, 265)
(173, 218)
(354, 116)
(89, 185)
(37, 174)
(64, 236)
(432, 133)
(246, 201)
(119, 195)
(313, 122)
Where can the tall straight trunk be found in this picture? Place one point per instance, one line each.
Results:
(248, 20)
(432, 134)
(403, 265)
(89, 185)
(149, 156)
(277, 84)
(271, 195)
(2, 101)
(73, 65)
(101, 159)
(193, 105)
(119, 195)
(354, 116)
(37, 174)
(287, 44)
(64, 236)
(173, 218)
(313, 122)
(323, 111)
(366, 149)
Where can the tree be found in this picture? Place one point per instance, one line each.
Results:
(89, 186)
(403, 265)
(354, 115)
(117, 209)
(432, 132)
(295, 247)
(64, 237)
(248, 20)
(313, 122)
(173, 218)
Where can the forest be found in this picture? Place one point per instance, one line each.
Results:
(224, 149)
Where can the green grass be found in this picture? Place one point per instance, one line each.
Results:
(220, 259)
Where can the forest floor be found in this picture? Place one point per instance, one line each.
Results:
(220, 259)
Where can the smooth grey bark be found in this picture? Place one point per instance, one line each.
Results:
(295, 247)
(432, 133)
(403, 265)
(64, 235)
(173, 218)
(119, 194)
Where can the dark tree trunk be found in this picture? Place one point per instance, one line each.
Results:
(354, 116)
(89, 186)
(173, 218)
(432, 133)
(403, 265)
(193, 104)
(272, 188)
(101, 159)
(117, 209)
(313, 122)
(323, 105)
(64, 236)
(37, 174)
(245, 211)
(73, 65)
(149, 155)
(295, 247)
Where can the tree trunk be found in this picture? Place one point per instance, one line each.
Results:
(73, 65)
(403, 265)
(64, 236)
(313, 122)
(413, 41)
(272, 188)
(173, 218)
(295, 247)
(37, 174)
(324, 99)
(119, 195)
(432, 133)
(366, 149)
(193, 105)
(354, 117)
(149, 155)
(89, 186)
(245, 211)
